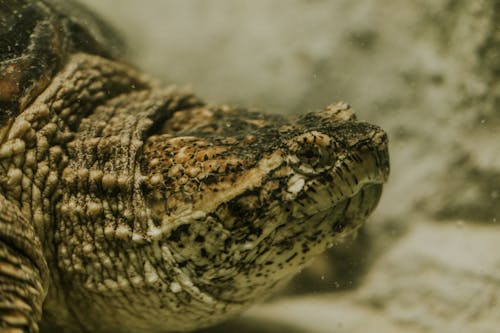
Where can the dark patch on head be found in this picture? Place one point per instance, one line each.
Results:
(176, 234)
(305, 248)
(291, 257)
(326, 178)
(340, 225)
(238, 210)
(253, 230)
(210, 179)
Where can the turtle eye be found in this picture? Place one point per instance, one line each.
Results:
(313, 153)
(314, 159)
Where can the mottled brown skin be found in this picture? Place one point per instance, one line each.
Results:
(129, 207)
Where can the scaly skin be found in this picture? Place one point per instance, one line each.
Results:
(129, 207)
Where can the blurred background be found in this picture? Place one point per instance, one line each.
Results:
(427, 71)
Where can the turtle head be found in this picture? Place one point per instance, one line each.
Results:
(244, 201)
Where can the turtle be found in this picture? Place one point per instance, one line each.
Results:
(129, 205)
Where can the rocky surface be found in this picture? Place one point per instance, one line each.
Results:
(428, 71)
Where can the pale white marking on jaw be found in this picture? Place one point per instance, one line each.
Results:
(169, 223)
(296, 184)
(248, 246)
(175, 287)
(150, 273)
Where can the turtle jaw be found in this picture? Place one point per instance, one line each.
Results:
(325, 227)
(288, 244)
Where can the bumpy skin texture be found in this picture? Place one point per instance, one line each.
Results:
(128, 207)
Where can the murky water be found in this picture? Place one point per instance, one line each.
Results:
(427, 72)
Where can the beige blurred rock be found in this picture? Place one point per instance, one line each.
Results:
(440, 278)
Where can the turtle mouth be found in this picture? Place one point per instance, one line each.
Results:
(356, 187)
(329, 218)
(349, 213)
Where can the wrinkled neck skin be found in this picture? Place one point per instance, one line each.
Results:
(158, 212)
